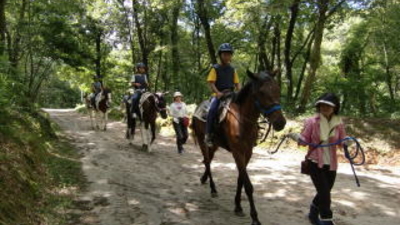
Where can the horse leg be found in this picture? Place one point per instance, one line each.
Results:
(105, 120)
(208, 157)
(91, 115)
(241, 163)
(204, 150)
(145, 139)
(214, 192)
(238, 206)
(153, 131)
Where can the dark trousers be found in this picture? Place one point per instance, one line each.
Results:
(181, 134)
(212, 114)
(323, 180)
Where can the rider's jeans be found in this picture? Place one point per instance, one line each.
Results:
(212, 113)
(135, 100)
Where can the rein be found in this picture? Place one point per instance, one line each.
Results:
(264, 111)
(359, 151)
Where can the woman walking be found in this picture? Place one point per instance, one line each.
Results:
(180, 120)
(323, 128)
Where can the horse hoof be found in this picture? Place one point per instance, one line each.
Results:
(239, 212)
(214, 194)
(256, 223)
(203, 180)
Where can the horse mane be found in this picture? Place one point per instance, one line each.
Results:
(244, 92)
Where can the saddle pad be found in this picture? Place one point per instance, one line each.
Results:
(201, 111)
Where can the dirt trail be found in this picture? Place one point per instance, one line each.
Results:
(128, 186)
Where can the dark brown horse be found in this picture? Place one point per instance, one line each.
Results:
(239, 131)
(150, 106)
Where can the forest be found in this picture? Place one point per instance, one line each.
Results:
(50, 49)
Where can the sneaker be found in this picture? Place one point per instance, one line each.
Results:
(208, 140)
(325, 222)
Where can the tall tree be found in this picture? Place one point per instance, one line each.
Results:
(204, 19)
(2, 26)
(175, 38)
(324, 12)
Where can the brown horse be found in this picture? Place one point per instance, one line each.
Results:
(238, 133)
(150, 105)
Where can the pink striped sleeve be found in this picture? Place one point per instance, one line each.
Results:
(307, 130)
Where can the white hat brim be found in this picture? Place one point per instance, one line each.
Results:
(325, 102)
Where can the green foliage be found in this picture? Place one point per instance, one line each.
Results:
(35, 165)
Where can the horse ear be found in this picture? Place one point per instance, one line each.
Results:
(251, 75)
(275, 72)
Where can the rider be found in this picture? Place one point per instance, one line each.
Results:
(222, 78)
(139, 82)
(97, 87)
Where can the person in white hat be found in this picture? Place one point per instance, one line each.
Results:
(180, 120)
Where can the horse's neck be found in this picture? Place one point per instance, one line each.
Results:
(248, 110)
(150, 105)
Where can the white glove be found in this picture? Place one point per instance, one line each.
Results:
(294, 136)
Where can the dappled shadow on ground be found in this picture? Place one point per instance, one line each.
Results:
(163, 187)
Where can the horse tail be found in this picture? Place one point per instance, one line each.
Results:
(193, 128)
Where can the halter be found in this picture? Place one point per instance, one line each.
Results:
(157, 100)
(269, 110)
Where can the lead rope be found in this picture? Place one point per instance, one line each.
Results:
(351, 158)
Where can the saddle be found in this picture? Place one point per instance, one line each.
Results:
(202, 110)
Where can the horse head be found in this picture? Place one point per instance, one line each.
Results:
(161, 104)
(266, 95)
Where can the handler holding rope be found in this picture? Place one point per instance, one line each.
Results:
(321, 161)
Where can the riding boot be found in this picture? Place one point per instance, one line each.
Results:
(313, 214)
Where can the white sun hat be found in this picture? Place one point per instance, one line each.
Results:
(178, 94)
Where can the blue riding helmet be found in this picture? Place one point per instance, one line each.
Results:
(140, 65)
(225, 47)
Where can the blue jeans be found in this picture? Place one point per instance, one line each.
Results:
(135, 101)
(212, 114)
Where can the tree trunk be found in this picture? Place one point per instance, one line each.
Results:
(294, 9)
(174, 43)
(15, 49)
(388, 76)
(98, 52)
(315, 57)
(264, 62)
(202, 13)
(277, 32)
(303, 69)
(160, 57)
(140, 33)
(2, 26)
(130, 26)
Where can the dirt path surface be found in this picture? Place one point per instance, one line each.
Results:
(128, 186)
